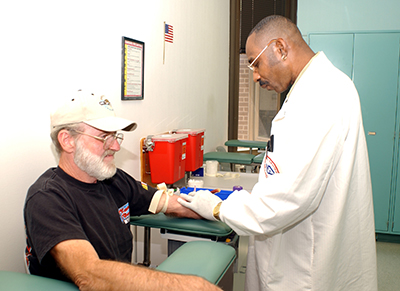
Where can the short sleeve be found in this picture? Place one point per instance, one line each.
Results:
(50, 219)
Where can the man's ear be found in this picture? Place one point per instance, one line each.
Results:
(66, 141)
(281, 48)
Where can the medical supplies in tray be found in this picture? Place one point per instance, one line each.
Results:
(223, 194)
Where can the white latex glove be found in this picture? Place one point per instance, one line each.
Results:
(203, 203)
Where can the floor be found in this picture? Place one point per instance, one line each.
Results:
(388, 256)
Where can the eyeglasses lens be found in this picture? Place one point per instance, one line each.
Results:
(109, 140)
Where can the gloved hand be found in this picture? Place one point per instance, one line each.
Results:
(203, 202)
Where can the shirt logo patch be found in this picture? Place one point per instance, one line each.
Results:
(270, 167)
(124, 213)
(144, 185)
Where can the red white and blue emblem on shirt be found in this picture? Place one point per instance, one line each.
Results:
(124, 213)
(270, 168)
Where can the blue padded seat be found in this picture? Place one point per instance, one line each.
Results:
(13, 281)
(187, 225)
(261, 145)
(206, 259)
(258, 159)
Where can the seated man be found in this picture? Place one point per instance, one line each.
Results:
(77, 214)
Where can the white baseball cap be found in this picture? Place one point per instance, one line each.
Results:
(93, 110)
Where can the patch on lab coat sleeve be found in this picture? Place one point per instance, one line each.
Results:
(270, 168)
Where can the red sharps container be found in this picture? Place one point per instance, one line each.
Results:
(195, 148)
(168, 158)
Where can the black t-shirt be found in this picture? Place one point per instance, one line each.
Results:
(59, 207)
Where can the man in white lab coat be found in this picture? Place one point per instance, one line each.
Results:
(310, 216)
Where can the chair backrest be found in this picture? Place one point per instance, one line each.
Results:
(226, 167)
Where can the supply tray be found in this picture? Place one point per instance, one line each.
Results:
(223, 194)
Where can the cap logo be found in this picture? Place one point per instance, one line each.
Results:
(106, 104)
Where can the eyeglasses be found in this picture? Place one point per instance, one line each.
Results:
(108, 140)
(251, 66)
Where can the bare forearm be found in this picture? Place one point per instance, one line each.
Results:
(109, 275)
(80, 262)
(177, 210)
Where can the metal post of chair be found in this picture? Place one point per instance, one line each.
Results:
(146, 247)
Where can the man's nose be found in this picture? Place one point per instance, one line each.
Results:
(115, 146)
(256, 76)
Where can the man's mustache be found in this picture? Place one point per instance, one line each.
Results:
(106, 153)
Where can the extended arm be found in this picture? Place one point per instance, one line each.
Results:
(164, 201)
(80, 262)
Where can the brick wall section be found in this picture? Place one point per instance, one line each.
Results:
(244, 99)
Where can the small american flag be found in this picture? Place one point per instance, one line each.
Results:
(169, 33)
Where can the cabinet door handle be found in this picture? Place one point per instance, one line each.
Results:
(371, 133)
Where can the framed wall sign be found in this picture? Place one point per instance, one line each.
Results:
(132, 69)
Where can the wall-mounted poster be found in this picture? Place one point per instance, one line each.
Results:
(132, 69)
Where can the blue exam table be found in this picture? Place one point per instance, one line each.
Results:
(207, 259)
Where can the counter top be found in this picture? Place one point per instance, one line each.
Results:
(226, 180)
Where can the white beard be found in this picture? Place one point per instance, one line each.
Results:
(93, 165)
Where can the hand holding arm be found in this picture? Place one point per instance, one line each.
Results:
(166, 202)
(203, 203)
(178, 210)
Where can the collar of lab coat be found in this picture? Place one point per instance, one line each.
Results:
(301, 73)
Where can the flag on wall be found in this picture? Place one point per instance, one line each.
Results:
(169, 33)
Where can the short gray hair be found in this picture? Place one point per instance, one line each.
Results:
(71, 128)
(275, 26)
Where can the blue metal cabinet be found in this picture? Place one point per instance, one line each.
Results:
(375, 76)
(396, 216)
(337, 47)
(371, 59)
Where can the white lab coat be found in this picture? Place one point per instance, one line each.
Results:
(310, 216)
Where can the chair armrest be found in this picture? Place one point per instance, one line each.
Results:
(209, 260)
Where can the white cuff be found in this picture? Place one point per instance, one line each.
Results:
(154, 202)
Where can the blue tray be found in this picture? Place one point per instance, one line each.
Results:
(223, 194)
